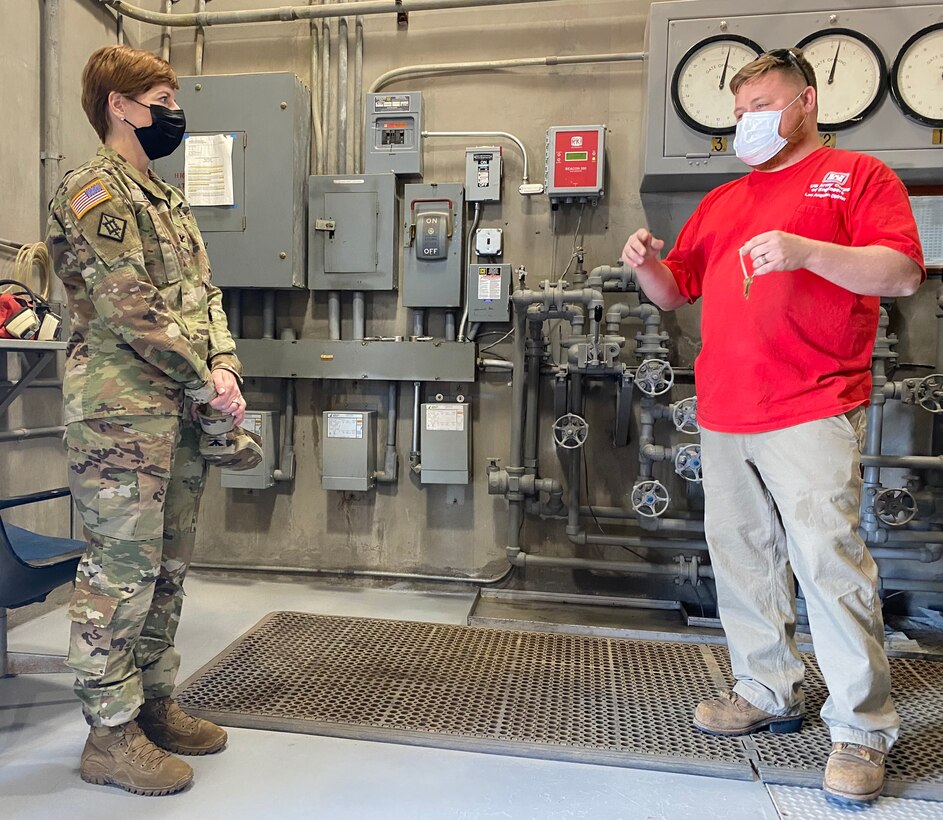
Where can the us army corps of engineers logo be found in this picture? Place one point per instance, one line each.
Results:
(112, 227)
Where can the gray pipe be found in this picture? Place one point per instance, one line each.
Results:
(469, 250)
(875, 427)
(419, 322)
(199, 42)
(911, 585)
(286, 466)
(326, 89)
(288, 13)
(334, 315)
(498, 65)
(417, 389)
(495, 364)
(503, 134)
(234, 313)
(360, 316)
(642, 543)
(532, 404)
(358, 96)
(25, 433)
(119, 38)
(343, 79)
(913, 462)
(51, 151)
(450, 326)
(268, 314)
(390, 471)
(517, 388)
(165, 32)
(316, 123)
(523, 559)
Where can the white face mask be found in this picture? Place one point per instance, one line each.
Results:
(757, 139)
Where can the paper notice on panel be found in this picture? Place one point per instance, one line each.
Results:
(489, 287)
(928, 211)
(344, 425)
(208, 169)
(445, 417)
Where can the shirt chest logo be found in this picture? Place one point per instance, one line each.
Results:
(834, 185)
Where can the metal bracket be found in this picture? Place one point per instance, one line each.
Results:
(402, 17)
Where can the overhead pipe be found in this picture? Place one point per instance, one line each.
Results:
(199, 42)
(289, 13)
(326, 94)
(343, 79)
(358, 96)
(525, 189)
(316, 123)
(499, 65)
(50, 150)
(165, 31)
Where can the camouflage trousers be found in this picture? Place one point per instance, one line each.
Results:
(136, 482)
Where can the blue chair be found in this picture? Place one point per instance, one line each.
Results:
(32, 566)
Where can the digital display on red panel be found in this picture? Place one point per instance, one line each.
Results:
(576, 159)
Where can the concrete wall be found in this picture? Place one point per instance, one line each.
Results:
(409, 528)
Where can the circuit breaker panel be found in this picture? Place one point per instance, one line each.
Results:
(352, 231)
(243, 165)
(393, 135)
(432, 245)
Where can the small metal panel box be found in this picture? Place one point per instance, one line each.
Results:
(393, 136)
(446, 443)
(264, 423)
(432, 240)
(352, 226)
(576, 163)
(488, 293)
(483, 174)
(348, 450)
(259, 240)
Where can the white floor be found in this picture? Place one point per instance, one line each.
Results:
(273, 774)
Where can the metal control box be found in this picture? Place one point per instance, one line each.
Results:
(393, 136)
(446, 443)
(352, 231)
(432, 245)
(348, 450)
(488, 293)
(483, 174)
(264, 423)
(251, 150)
(576, 163)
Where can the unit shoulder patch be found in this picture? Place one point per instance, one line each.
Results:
(112, 227)
(91, 195)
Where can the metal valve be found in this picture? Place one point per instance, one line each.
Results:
(684, 416)
(929, 393)
(570, 431)
(654, 377)
(688, 463)
(650, 499)
(895, 506)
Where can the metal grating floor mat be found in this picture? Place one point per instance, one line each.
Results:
(562, 697)
(533, 694)
(915, 766)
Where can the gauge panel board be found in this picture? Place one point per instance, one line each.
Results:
(917, 76)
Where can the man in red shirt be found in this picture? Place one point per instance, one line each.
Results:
(783, 377)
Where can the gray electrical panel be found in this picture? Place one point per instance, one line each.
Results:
(432, 245)
(483, 174)
(264, 423)
(352, 229)
(258, 126)
(488, 293)
(393, 136)
(348, 450)
(446, 443)
(682, 155)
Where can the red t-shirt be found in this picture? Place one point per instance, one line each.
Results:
(799, 348)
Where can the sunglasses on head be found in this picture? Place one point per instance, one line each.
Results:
(785, 55)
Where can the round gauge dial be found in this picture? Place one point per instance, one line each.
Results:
(917, 77)
(699, 89)
(850, 73)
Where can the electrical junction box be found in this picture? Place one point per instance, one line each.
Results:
(446, 443)
(393, 136)
(348, 449)
(243, 165)
(483, 174)
(576, 163)
(488, 293)
(432, 246)
(489, 241)
(264, 423)
(352, 229)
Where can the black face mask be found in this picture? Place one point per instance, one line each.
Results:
(165, 132)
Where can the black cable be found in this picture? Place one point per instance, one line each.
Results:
(593, 512)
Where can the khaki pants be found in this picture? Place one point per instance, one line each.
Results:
(788, 500)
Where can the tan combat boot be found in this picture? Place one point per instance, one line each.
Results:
(122, 756)
(172, 729)
(854, 774)
(732, 715)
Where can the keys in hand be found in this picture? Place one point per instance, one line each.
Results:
(747, 277)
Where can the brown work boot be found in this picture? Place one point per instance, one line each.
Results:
(174, 730)
(854, 774)
(731, 714)
(122, 756)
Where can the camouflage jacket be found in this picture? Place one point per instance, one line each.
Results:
(146, 321)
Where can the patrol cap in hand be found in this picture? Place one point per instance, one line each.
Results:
(236, 450)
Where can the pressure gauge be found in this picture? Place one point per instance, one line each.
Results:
(850, 73)
(917, 77)
(699, 89)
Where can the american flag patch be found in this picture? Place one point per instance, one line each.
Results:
(91, 195)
